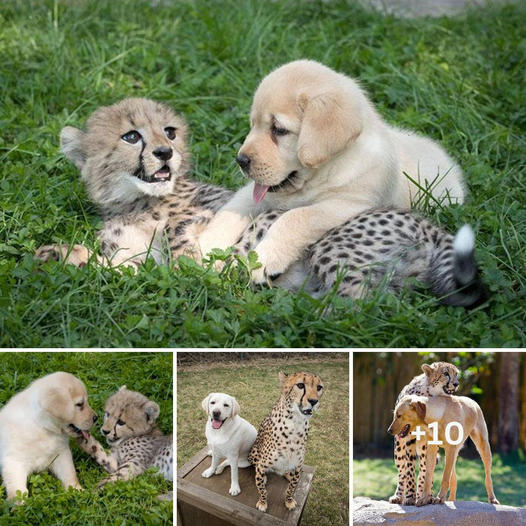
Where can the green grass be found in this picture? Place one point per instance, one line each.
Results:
(132, 502)
(376, 478)
(458, 80)
(256, 388)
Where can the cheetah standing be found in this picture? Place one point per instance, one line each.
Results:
(282, 437)
(439, 378)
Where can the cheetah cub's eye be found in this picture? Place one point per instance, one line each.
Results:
(132, 137)
(446, 374)
(120, 422)
(320, 387)
(170, 132)
(300, 385)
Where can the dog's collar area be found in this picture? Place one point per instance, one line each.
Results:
(287, 182)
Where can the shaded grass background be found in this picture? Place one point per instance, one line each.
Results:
(459, 80)
(256, 388)
(377, 477)
(131, 502)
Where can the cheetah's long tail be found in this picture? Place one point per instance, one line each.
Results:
(455, 276)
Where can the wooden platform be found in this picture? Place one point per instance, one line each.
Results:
(206, 502)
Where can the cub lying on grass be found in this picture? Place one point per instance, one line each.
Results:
(150, 207)
(136, 442)
(414, 410)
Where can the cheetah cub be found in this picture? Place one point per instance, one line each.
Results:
(133, 158)
(282, 437)
(136, 441)
(439, 378)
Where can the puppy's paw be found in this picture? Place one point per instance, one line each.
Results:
(207, 473)
(261, 506)
(272, 265)
(493, 500)
(220, 470)
(425, 500)
(395, 499)
(234, 490)
(290, 504)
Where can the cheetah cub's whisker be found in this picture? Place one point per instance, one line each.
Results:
(282, 437)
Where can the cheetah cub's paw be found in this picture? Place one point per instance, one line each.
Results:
(261, 506)
(290, 504)
(207, 473)
(234, 490)
(395, 499)
(77, 255)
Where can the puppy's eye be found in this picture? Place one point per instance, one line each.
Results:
(226, 405)
(170, 132)
(320, 387)
(398, 416)
(132, 137)
(300, 386)
(80, 404)
(276, 130)
(212, 403)
(120, 422)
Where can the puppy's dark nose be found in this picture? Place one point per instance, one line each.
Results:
(243, 161)
(164, 153)
(216, 414)
(95, 418)
(104, 432)
(313, 402)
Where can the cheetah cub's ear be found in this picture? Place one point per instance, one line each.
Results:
(282, 377)
(71, 144)
(152, 411)
(204, 403)
(427, 369)
(235, 407)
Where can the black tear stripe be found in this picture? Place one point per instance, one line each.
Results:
(140, 172)
(304, 392)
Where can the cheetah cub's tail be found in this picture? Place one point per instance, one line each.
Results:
(455, 275)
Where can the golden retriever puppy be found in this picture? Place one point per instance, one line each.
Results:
(455, 418)
(318, 149)
(35, 426)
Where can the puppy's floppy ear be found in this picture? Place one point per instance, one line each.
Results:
(54, 402)
(330, 122)
(204, 403)
(152, 411)
(420, 409)
(71, 144)
(427, 369)
(235, 407)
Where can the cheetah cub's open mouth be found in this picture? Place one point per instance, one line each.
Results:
(404, 432)
(163, 174)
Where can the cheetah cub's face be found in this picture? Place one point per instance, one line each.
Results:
(304, 389)
(442, 377)
(128, 414)
(132, 148)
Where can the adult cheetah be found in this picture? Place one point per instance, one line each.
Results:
(439, 378)
(282, 437)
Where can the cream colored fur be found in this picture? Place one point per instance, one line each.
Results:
(345, 157)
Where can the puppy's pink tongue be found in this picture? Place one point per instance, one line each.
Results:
(259, 192)
(216, 424)
(85, 434)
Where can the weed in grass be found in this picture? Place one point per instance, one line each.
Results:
(458, 80)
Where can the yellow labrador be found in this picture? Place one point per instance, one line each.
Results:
(35, 426)
(318, 149)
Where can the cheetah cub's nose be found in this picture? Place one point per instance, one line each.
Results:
(313, 402)
(164, 153)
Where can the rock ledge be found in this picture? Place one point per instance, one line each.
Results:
(367, 512)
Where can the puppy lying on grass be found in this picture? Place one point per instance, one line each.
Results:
(413, 411)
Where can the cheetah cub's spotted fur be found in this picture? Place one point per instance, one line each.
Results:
(134, 161)
(136, 441)
(282, 437)
(439, 378)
